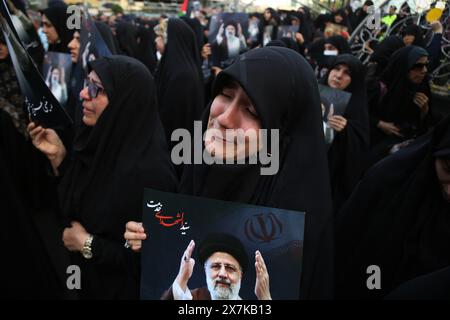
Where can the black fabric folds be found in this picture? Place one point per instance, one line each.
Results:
(283, 89)
(112, 163)
(397, 219)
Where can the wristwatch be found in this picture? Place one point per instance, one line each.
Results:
(87, 248)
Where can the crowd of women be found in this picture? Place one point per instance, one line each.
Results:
(378, 195)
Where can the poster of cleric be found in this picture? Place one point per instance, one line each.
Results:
(204, 249)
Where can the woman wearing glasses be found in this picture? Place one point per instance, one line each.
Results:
(119, 150)
(403, 111)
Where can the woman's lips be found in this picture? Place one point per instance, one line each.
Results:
(87, 111)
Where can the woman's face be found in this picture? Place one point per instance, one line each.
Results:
(74, 47)
(418, 71)
(267, 15)
(338, 18)
(93, 107)
(49, 30)
(443, 175)
(330, 50)
(4, 53)
(230, 111)
(339, 77)
(408, 39)
(55, 75)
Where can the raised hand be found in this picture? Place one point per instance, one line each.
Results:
(262, 286)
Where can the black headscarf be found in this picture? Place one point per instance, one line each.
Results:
(284, 92)
(276, 43)
(107, 36)
(274, 21)
(347, 154)
(112, 163)
(126, 35)
(147, 48)
(58, 16)
(179, 79)
(360, 14)
(416, 31)
(322, 20)
(285, 42)
(384, 51)
(196, 26)
(397, 105)
(339, 43)
(306, 25)
(378, 62)
(28, 201)
(291, 44)
(396, 219)
(344, 22)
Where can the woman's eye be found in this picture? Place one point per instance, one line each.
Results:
(252, 112)
(226, 94)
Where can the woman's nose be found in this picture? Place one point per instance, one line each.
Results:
(230, 117)
(84, 94)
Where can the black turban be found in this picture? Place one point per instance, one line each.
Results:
(221, 242)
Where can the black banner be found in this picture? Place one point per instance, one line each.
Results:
(40, 104)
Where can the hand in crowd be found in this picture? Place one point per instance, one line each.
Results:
(186, 267)
(421, 100)
(436, 26)
(240, 33)
(75, 237)
(389, 128)
(48, 142)
(338, 123)
(134, 234)
(216, 70)
(367, 47)
(206, 51)
(262, 288)
(299, 37)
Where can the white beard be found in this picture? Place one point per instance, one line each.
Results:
(222, 293)
(234, 46)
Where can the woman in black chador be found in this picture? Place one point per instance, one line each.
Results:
(398, 219)
(119, 150)
(32, 261)
(54, 23)
(404, 109)
(271, 88)
(348, 151)
(179, 78)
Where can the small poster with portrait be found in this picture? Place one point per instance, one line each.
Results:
(287, 32)
(40, 104)
(334, 103)
(203, 249)
(92, 45)
(228, 37)
(253, 31)
(56, 71)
